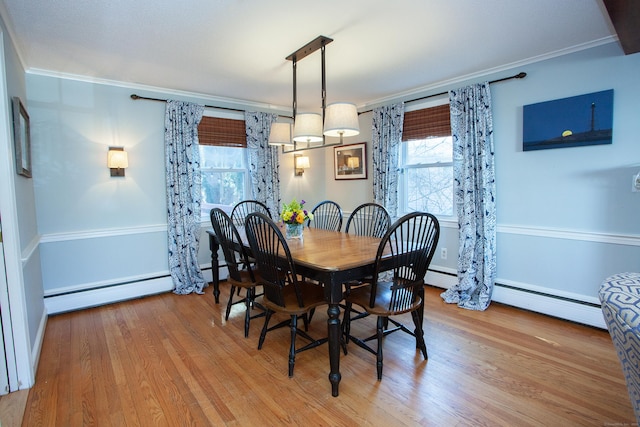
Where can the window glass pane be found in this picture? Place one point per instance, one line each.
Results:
(221, 189)
(430, 190)
(432, 150)
(221, 157)
(224, 177)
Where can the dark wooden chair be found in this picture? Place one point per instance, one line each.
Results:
(402, 260)
(244, 208)
(241, 274)
(327, 215)
(284, 291)
(368, 219)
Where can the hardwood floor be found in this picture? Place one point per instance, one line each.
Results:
(172, 360)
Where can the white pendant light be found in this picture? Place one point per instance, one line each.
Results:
(280, 134)
(341, 119)
(308, 128)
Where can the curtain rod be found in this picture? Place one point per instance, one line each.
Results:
(520, 75)
(136, 97)
(517, 76)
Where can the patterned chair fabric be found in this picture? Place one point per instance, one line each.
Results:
(620, 297)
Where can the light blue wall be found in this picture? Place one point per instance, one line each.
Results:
(565, 216)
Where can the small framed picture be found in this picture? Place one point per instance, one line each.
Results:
(350, 161)
(21, 138)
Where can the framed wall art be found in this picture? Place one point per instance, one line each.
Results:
(21, 138)
(350, 161)
(568, 122)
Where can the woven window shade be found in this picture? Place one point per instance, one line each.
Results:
(427, 123)
(222, 132)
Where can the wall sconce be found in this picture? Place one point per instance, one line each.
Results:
(300, 163)
(117, 161)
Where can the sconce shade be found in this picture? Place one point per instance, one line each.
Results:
(341, 119)
(353, 162)
(280, 134)
(300, 163)
(308, 128)
(303, 162)
(117, 160)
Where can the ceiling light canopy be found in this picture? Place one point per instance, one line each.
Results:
(339, 119)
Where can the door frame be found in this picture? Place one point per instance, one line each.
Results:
(14, 314)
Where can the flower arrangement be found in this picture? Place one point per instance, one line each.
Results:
(294, 212)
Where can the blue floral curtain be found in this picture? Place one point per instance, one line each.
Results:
(475, 196)
(183, 194)
(385, 140)
(264, 166)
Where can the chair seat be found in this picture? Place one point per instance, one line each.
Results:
(313, 296)
(245, 281)
(361, 296)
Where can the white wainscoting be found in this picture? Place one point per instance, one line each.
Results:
(577, 308)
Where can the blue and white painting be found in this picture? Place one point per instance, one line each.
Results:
(569, 122)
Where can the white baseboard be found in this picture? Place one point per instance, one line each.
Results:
(544, 303)
(26, 383)
(539, 302)
(109, 294)
(95, 297)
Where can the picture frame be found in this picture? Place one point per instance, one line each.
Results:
(21, 138)
(575, 121)
(350, 161)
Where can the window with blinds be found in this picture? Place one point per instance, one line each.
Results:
(427, 123)
(223, 163)
(426, 162)
(222, 132)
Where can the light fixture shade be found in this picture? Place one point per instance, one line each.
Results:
(117, 159)
(302, 162)
(308, 127)
(341, 119)
(280, 134)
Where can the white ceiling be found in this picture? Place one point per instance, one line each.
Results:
(236, 48)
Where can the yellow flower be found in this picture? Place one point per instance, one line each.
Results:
(294, 213)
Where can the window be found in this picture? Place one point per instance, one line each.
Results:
(426, 162)
(223, 163)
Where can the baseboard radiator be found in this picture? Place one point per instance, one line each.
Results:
(579, 311)
(542, 301)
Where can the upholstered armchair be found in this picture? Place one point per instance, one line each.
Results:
(620, 297)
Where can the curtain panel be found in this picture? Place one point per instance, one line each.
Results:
(386, 135)
(264, 165)
(182, 161)
(475, 196)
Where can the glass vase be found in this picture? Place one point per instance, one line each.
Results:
(294, 231)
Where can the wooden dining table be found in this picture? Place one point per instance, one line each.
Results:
(332, 258)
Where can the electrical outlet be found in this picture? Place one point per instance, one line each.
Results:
(443, 253)
(635, 184)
